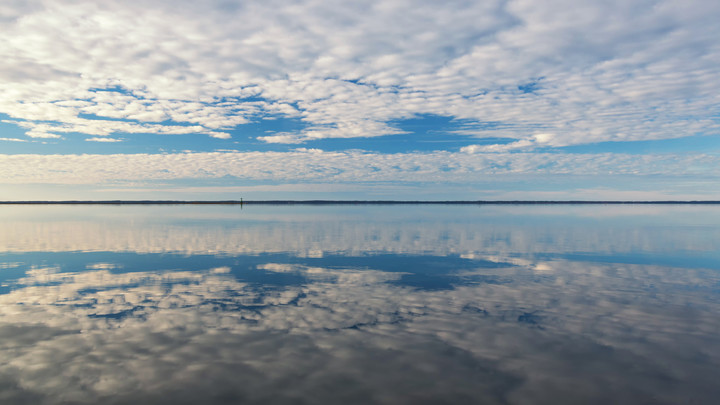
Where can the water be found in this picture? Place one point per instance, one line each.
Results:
(360, 304)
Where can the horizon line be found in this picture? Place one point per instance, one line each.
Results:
(345, 202)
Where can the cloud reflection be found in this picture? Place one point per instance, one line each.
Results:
(570, 333)
(541, 305)
(468, 230)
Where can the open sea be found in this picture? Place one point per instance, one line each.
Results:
(360, 304)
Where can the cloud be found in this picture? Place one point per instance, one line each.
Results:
(353, 166)
(97, 139)
(537, 140)
(301, 187)
(592, 72)
(363, 129)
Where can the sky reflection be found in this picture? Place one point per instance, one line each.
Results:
(460, 321)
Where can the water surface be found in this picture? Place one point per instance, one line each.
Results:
(558, 304)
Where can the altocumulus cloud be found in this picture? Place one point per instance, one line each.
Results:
(353, 166)
(551, 74)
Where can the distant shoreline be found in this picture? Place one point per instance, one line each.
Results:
(345, 202)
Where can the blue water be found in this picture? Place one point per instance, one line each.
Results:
(546, 304)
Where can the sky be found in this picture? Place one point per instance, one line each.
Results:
(375, 100)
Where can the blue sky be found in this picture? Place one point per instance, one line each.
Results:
(384, 99)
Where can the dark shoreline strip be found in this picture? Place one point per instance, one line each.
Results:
(344, 202)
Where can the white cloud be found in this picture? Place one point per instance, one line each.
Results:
(585, 72)
(317, 166)
(97, 139)
(537, 140)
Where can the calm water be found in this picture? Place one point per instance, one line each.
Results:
(360, 304)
